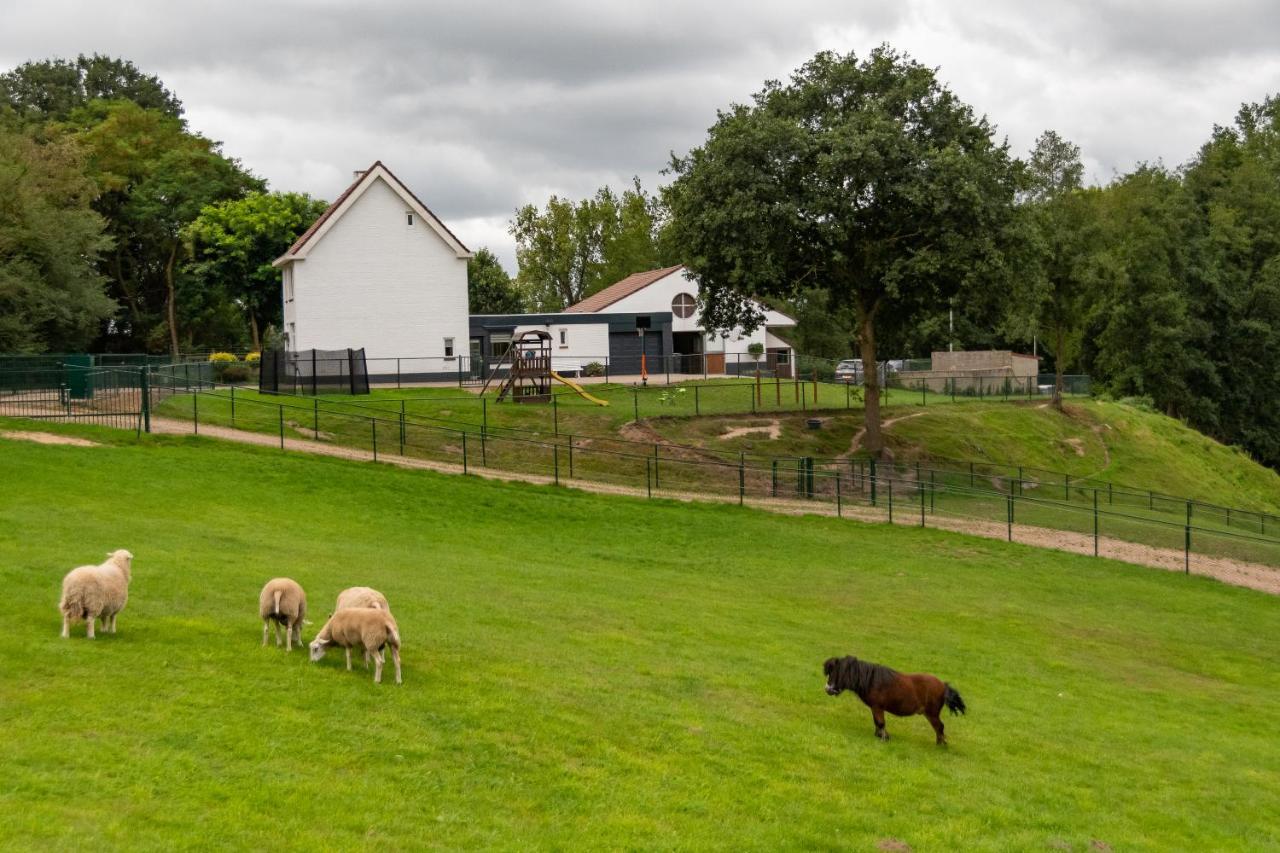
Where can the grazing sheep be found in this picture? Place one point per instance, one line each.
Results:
(283, 602)
(93, 592)
(361, 596)
(370, 628)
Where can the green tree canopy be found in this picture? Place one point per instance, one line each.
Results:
(154, 177)
(568, 250)
(865, 178)
(52, 89)
(489, 289)
(232, 244)
(51, 295)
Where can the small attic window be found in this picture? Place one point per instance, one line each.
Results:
(408, 217)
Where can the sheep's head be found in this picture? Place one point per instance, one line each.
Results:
(124, 560)
(317, 649)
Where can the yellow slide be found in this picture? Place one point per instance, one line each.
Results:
(578, 388)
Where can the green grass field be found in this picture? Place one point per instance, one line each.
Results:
(593, 672)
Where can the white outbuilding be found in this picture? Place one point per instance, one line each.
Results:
(377, 270)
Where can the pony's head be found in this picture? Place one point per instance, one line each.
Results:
(831, 669)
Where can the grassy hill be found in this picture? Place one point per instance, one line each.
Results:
(584, 672)
(1103, 440)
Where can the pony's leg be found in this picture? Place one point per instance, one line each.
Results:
(66, 626)
(877, 714)
(348, 658)
(377, 666)
(90, 622)
(935, 720)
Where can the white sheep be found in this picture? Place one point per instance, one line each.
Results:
(361, 596)
(369, 628)
(96, 592)
(283, 602)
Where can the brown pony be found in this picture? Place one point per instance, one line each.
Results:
(882, 689)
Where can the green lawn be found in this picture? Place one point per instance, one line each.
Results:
(592, 672)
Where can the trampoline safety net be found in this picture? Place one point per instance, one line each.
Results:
(314, 371)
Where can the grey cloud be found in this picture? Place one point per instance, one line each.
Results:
(481, 107)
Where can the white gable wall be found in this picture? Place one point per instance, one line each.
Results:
(374, 281)
(659, 295)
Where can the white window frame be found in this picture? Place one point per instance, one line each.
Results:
(564, 338)
(408, 218)
(448, 348)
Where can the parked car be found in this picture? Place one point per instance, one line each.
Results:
(849, 370)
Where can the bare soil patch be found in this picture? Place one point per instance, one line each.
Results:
(48, 438)
(773, 429)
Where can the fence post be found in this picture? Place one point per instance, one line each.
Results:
(1009, 500)
(839, 508)
(873, 480)
(555, 460)
(920, 493)
(146, 398)
(742, 477)
(777, 388)
(657, 483)
(891, 500)
(555, 413)
(697, 402)
(1186, 553)
(282, 427)
(922, 399)
(402, 433)
(635, 402)
(233, 407)
(315, 418)
(648, 476)
(774, 489)
(484, 448)
(933, 491)
(1095, 522)
(571, 456)
(195, 413)
(606, 370)
(484, 414)
(397, 373)
(373, 428)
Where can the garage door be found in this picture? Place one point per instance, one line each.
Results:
(624, 352)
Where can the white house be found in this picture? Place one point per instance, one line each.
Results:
(652, 312)
(377, 270)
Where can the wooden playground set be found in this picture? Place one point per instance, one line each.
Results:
(528, 372)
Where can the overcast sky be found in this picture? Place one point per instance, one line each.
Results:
(481, 107)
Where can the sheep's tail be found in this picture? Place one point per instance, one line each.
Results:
(275, 607)
(394, 632)
(72, 602)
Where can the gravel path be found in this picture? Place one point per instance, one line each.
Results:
(1252, 575)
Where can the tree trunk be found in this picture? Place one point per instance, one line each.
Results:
(872, 440)
(171, 302)
(1057, 369)
(253, 327)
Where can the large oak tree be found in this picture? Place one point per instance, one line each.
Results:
(867, 179)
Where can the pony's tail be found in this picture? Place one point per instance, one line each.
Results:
(952, 700)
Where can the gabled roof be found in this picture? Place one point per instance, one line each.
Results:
(633, 283)
(344, 202)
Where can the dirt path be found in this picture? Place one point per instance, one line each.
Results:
(48, 438)
(856, 442)
(1252, 575)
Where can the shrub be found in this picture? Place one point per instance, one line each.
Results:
(1143, 403)
(756, 350)
(234, 372)
(594, 368)
(253, 358)
(222, 358)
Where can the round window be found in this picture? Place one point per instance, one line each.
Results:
(683, 305)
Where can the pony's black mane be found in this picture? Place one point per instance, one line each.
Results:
(862, 676)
